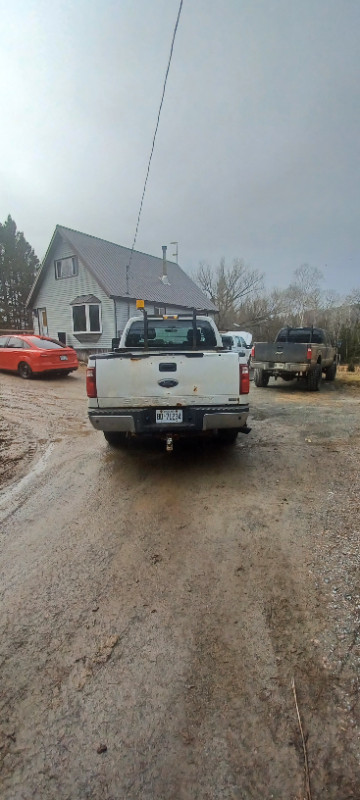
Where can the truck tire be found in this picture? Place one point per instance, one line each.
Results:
(227, 435)
(261, 378)
(115, 438)
(330, 372)
(314, 378)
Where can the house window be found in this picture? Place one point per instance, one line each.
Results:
(66, 267)
(159, 310)
(87, 318)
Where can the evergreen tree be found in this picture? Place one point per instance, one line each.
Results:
(18, 264)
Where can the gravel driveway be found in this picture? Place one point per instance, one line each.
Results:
(157, 609)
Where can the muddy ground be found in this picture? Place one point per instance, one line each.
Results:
(155, 608)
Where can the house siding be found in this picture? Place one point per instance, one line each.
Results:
(56, 296)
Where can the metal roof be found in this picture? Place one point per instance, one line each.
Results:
(84, 298)
(108, 261)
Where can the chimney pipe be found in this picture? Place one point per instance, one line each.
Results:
(164, 249)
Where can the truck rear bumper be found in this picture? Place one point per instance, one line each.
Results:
(195, 420)
(276, 366)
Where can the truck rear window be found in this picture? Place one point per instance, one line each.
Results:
(171, 333)
(300, 335)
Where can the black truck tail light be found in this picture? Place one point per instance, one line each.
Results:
(91, 390)
(309, 354)
(253, 351)
(244, 382)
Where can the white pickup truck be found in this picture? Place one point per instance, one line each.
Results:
(169, 376)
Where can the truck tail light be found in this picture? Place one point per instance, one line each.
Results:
(253, 351)
(244, 387)
(309, 354)
(91, 390)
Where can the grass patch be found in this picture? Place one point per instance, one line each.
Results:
(348, 378)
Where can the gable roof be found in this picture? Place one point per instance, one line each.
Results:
(107, 262)
(84, 298)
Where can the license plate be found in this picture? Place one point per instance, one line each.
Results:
(63, 358)
(167, 415)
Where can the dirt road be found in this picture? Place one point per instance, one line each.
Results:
(156, 607)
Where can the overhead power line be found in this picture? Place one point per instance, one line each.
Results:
(156, 130)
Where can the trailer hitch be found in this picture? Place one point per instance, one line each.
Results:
(244, 429)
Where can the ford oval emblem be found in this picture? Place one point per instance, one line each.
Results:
(168, 384)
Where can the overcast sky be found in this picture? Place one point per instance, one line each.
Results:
(257, 154)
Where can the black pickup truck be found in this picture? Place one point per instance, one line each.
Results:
(296, 353)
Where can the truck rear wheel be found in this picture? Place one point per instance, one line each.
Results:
(330, 372)
(261, 378)
(115, 438)
(314, 378)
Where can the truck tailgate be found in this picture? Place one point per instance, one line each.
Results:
(194, 378)
(280, 352)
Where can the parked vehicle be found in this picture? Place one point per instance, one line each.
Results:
(296, 353)
(170, 376)
(244, 338)
(30, 355)
(233, 341)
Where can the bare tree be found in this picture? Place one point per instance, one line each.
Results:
(264, 313)
(305, 293)
(242, 301)
(353, 300)
(227, 287)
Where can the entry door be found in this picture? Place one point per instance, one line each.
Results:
(43, 325)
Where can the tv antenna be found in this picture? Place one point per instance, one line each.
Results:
(176, 254)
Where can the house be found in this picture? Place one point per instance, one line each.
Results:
(85, 290)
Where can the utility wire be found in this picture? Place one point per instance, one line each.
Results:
(154, 137)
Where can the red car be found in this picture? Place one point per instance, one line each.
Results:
(31, 355)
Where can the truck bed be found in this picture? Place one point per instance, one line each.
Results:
(167, 379)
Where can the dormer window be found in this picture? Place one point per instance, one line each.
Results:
(66, 267)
